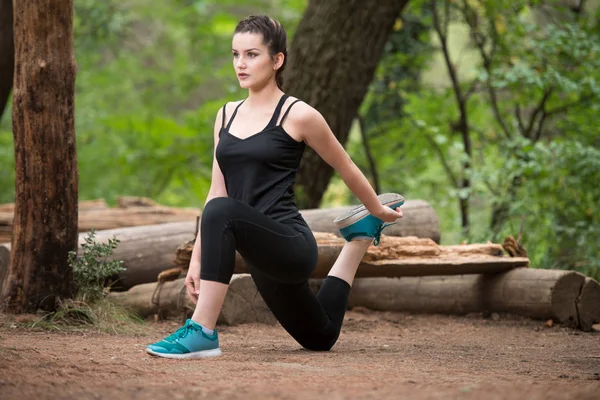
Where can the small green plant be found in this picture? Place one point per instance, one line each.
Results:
(91, 308)
(92, 269)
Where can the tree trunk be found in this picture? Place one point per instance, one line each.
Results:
(7, 52)
(45, 227)
(333, 58)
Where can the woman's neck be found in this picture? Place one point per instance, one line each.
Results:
(263, 97)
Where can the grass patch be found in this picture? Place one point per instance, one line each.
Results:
(100, 316)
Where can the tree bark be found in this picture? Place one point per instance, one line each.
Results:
(333, 58)
(45, 221)
(7, 53)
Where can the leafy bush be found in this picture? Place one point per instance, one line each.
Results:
(92, 269)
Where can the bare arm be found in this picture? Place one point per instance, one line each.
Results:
(217, 189)
(217, 183)
(307, 124)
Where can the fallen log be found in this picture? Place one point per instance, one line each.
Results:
(148, 250)
(243, 304)
(145, 251)
(84, 205)
(400, 256)
(536, 293)
(588, 304)
(112, 218)
(419, 220)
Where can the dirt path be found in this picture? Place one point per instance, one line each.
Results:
(379, 356)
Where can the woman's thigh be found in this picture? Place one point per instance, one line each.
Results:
(283, 251)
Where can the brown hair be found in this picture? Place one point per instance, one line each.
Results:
(274, 37)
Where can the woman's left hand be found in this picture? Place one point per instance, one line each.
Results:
(386, 214)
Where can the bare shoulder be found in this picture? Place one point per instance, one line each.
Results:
(228, 110)
(303, 113)
(231, 105)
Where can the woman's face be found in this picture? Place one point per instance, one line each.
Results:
(252, 63)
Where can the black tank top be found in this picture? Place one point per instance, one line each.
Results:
(260, 170)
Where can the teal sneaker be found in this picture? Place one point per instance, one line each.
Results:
(189, 341)
(358, 223)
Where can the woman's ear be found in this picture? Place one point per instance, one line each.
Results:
(278, 61)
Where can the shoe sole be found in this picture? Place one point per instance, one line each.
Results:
(197, 354)
(358, 213)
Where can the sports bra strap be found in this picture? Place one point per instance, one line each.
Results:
(287, 111)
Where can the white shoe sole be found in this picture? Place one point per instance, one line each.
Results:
(197, 354)
(359, 212)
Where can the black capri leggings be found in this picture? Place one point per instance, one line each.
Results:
(281, 256)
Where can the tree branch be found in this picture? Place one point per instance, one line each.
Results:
(472, 89)
(443, 160)
(519, 119)
(487, 64)
(541, 106)
(446, 52)
(540, 127)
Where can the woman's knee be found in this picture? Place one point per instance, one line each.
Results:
(218, 211)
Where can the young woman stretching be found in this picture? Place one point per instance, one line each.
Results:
(250, 208)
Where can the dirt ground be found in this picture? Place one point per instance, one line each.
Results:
(378, 356)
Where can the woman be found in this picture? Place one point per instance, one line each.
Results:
(250, 208)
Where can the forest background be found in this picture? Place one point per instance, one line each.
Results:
(485, 109)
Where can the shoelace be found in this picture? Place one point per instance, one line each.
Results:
(378, 232)
(181, 332)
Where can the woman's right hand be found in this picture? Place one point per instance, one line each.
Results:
(192, 281)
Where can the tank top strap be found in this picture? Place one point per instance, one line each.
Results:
(232, 115)
(275, 116)
(224, 115)
(287, 111)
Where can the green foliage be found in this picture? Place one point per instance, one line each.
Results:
(92, 269)
(559, 198)
(536, 154)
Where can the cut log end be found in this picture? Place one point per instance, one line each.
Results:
(588, 304)
(565, 296)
